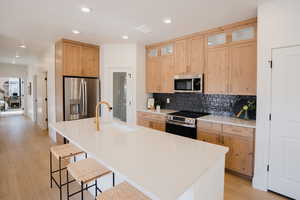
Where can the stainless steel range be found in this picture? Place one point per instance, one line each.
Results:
(183, 123)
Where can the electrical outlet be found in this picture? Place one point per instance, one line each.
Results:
(168, 100)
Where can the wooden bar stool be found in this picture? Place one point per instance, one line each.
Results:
(62, 152)
(84, 172)
(123, 191)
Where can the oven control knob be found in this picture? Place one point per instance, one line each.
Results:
(190, 121)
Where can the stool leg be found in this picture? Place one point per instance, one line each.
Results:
(50, 169)
(60, 192)
(81, 190)
(96, 188)
(113, 179)
(67, 185)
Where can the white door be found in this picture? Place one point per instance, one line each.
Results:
(41, 100)
(284, 172)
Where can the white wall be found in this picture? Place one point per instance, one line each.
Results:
(278, 26)
(47, 64)
(124, 56)
(15, 70)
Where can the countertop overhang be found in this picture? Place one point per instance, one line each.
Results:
(162, 165)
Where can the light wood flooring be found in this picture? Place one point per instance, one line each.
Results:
(24, 166)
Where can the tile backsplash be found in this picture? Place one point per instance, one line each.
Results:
(227, 105)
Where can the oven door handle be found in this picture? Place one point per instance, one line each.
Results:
(180, 124)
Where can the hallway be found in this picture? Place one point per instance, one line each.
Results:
(24, 164)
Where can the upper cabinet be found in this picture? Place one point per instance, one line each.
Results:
(225, 55)
(242, 69)
(90, 61)
(189, 56)
(216, 71)
(79, 59)
(160, 69)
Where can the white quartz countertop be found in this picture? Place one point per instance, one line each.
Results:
(229, 120)
(162, 111)
(162, 165)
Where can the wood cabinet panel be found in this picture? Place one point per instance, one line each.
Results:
(236, 130)
(153, 75)
(150, 120)
(208, 137)
(195, 55)
(180, 57)
(158, 125)
(240, 155)
(209, 126)
(79, 59)
(90, 61)
(216, 71)
(239, 140)
(166, 73)
(71, 59)
(242, 72)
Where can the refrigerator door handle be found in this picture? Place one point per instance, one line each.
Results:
(85, 99)
(81, 98)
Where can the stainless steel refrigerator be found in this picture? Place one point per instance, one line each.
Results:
(80, 97)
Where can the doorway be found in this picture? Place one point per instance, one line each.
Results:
(284, 161)
(11, 96)
(119, 95)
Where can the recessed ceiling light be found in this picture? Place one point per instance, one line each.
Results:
(85, 9)
(17, 56)
(23, 46)
(167, 21)
(125, 37)
(75, 32)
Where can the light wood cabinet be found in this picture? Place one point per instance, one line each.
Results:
(90, 61)
(196, 55)
(239, 140)
(209, 137)
(242, 69)
(160, 70)
(153, 75)
(79, 59)
(180, 57)
(71, 59)
(231, 70)
(240, 155)
(216, 71)
(166, 74)
(189, 56)
(225, 55)
(150, 120)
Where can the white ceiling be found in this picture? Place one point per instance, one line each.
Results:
(41, 22)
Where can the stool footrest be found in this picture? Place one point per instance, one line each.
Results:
(86, 188)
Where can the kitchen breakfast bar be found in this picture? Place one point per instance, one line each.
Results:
(161, 165)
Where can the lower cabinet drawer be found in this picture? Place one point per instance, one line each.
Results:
(208, 137)
(151, 121)
(209, 126)
(237, 130)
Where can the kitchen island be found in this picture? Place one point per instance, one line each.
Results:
(162, 165)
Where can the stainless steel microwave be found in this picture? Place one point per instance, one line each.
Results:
(188, 83)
